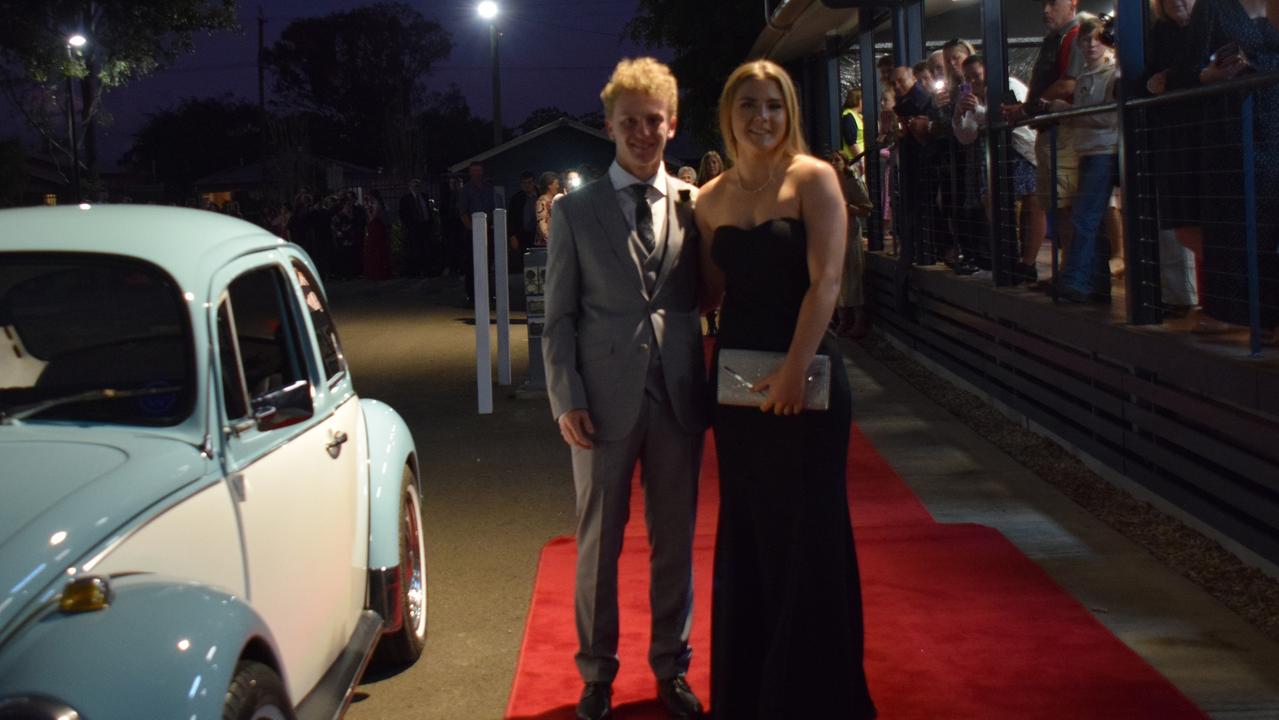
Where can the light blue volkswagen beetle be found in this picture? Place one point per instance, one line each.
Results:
(199, 518)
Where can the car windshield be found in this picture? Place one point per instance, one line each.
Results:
(92, 338)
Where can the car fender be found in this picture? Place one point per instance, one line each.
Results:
(174, 645)
(390, 448)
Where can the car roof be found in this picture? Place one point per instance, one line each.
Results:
(187, 243)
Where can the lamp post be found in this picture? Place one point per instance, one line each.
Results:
(488, 11)
(75, 41)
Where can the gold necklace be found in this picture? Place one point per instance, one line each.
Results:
(771, 169)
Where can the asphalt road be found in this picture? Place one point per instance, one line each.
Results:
(497, 487)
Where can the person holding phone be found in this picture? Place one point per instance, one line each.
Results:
(1227, 38)
(969, 119)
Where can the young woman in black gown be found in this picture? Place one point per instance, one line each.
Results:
(786, 630)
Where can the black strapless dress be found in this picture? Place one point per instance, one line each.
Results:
(786, 630)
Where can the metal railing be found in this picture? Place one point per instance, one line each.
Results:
(1236, 265)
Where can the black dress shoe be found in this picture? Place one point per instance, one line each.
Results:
(596, 702)
(678, 698)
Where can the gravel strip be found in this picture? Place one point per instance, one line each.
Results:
(1247, 590)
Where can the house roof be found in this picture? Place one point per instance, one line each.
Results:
(526, 137)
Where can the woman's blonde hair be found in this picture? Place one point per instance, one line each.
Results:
(643, 75)
(761, 70)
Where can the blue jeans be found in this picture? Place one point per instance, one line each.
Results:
(1087, 267)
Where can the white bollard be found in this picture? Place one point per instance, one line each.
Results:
(483, 356)
(502, 278)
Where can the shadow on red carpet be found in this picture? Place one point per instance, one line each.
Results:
(959, 623)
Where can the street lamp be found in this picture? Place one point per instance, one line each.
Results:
(75, 41)
(488, 11)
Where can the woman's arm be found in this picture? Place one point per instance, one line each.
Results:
(824, 216)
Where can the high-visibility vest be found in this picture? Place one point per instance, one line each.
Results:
(844, 148)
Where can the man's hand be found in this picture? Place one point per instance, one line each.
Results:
(1157, 83)
(576, 428)
(1014, 112)
(1223, 69)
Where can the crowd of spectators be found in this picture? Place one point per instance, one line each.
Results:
(934, 121)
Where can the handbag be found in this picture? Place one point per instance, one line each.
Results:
(738, 370)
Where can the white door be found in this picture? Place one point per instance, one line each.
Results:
(294, 469)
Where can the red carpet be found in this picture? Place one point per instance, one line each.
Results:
(959, 624)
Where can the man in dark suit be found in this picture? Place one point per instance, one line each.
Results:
(626, 379)
(414, 216)
(521, 222)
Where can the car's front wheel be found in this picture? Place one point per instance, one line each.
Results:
(256, 693)
(403, 647)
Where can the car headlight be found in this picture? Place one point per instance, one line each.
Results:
(85, 594)
(35, 708)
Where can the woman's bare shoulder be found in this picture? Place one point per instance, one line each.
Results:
(807, 167)
(710, 197)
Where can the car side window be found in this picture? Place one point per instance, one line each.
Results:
(265, 335)
(325, 333)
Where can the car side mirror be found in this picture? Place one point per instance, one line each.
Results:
(286, 406)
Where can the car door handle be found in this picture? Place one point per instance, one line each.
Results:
(335, 445)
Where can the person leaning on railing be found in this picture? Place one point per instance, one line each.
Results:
(1086, 274)
(1053, 78)
(1173, 133)
(969, 119)
(1227, 38)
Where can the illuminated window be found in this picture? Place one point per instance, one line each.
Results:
(50, 199)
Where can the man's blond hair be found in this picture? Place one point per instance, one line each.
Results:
(643, 75)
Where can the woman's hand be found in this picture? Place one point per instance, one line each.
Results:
(785, 390)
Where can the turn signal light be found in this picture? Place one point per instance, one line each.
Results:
(86, 594)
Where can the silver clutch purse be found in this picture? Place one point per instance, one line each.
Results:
(739, 370)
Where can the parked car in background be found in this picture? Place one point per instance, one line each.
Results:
(199, 518)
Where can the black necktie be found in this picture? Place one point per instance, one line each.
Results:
(644, 218)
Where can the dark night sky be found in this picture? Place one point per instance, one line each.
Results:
(553, 52)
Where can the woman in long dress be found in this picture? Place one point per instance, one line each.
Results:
(786, 631)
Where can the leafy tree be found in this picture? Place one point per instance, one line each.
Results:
(703, 59)
(541, 116)
(195, 139)
(452, 132)
(592, 118)
(13, 172)
(362, 72)
(128, 39)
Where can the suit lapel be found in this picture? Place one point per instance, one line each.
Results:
(617, 234)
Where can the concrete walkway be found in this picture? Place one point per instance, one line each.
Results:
(499, 486)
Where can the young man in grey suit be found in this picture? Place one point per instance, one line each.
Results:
(627, 380)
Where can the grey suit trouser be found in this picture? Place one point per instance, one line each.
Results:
(670, 460)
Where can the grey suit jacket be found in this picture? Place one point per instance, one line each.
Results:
(601, 324)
